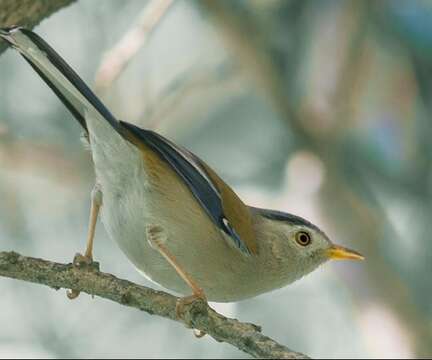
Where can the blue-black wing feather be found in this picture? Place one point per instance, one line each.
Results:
(188, 167)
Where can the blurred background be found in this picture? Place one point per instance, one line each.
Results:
(319, 108)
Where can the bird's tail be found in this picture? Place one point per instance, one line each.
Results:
(58, 75)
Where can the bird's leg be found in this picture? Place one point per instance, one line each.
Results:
(156, 236)
(96, 203)
(87, 258)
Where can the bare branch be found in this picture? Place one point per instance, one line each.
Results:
(27, 13)
(246, 337)
(169, 102)
(116, 60)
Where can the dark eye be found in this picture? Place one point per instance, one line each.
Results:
(303, 238)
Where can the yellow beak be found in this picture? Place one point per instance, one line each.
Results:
(340, 253)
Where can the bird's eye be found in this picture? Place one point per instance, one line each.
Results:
(303, 238)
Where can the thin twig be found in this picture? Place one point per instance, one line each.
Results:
(180, 89)
(116, 59)
(246, 337)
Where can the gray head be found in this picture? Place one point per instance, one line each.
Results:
(304, 245)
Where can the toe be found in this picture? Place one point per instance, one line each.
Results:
(199, 333)
(188, 300)
(72, 294)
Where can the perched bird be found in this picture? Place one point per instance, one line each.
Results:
(175, 219)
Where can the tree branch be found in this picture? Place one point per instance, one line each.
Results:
(116, 60)
(244, 336)
(27, 13)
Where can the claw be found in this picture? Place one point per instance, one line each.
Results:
(188, 300)
(72, 294)
(199, 333)
(81, 261)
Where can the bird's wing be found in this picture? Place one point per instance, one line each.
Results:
(222, 205)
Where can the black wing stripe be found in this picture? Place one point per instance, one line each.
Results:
(203, 191)
(70, 75)
(197, 183)
(78, 116)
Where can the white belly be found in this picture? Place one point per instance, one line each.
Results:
(127, 197)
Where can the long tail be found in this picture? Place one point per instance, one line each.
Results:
(59, 76)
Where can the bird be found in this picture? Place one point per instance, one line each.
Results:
(170, 213)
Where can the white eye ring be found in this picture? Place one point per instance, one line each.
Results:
(303, 238)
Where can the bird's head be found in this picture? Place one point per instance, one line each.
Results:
(301, 243)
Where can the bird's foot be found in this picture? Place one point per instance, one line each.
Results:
(80, 262)
(157, 238)
(200, 300)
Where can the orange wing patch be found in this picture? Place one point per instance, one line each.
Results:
(236, 212)
(233, 208)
